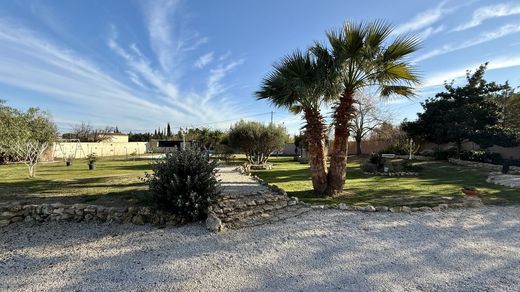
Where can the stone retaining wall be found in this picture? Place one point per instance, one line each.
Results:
(236, 211)
(16, 212)
(487, 166)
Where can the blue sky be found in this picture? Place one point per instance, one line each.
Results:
(140, 64)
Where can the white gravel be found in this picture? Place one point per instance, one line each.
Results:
(235, 183)
(463, 250)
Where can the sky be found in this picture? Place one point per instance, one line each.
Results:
(140, 64)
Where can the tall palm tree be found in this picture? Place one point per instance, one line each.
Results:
(360, 56)
(296, 84)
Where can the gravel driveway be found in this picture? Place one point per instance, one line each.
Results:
(464, 250)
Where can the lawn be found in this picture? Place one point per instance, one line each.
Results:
(113, 183)
(439, 182)
(118, 183)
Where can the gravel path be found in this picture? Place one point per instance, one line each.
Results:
(508, 180)
(235, 183)
(463, 250)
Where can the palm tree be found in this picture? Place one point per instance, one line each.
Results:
(296, 84)
(360, 57)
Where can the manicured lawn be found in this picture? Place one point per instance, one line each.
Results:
(115, 182)
(438, 182)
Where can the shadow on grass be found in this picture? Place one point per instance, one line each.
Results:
(439, 182)
(121, 191)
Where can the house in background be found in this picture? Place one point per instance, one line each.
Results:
(115, 138)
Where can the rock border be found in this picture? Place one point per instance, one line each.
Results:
(498, 179)
(17, 212)
(482, 165)
(393, 174)
(468, 202)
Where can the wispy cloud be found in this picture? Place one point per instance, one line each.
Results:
(214, 84)
(204, 60)
(75, 88)
(423, 20)
(426, 33)
(193, 105)
(34, 64)
(482, 38)
(167, 41)
(487, 12)
(501, 62)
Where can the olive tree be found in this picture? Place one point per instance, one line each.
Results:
(25, 135)
(257, 140)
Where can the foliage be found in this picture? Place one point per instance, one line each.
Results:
(404, 165)
(398, 149)
(512, 118)
(360, 56)
(463, 112)
(184, 183)
(257, 140)
(92, 158)
(378, 160)
(298, 84)
(487, 157)
(368, 167)
(444, 154)
(26, 135)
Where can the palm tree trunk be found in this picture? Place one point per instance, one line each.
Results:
(338, 163)
(317, 157)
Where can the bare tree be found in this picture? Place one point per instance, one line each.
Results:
(86, 133)
(367, 115)
(30, 152)
(26, 135)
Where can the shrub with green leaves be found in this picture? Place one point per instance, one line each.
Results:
(184, 183)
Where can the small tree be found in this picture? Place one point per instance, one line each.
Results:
(366, 117)
(257, 140)
(26, 135)
(468, 112)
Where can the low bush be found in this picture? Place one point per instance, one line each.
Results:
(184, 183)
(444, 154)
(368, 167)
(397, 149)
(487, 157)
(378, 160)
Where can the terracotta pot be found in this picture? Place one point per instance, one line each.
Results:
(470, 192)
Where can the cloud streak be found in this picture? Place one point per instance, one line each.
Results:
(439, 78)
(423, 20)
(204, 60)
(488, 12)
(482, 38)
(76, 89)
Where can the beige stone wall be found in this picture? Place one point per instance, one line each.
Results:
(102, 149)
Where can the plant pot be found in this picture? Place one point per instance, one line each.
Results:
(69, 163)
(470, 192)
(91, 166)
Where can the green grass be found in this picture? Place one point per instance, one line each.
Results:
(117, 183)
(113, 183)
(439, 182)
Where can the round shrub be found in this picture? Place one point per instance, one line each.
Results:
(184, 183)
